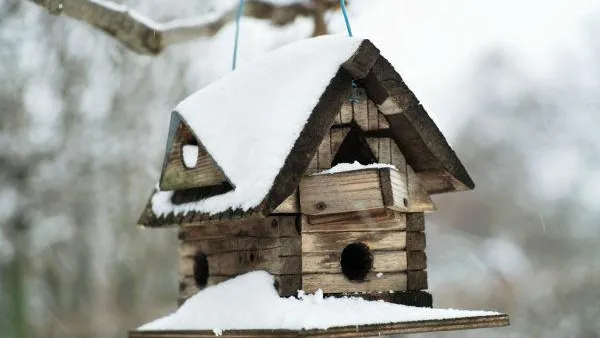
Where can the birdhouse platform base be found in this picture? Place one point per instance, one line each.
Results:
(372, 330)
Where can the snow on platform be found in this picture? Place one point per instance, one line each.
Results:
(250, 302)
(249, 120)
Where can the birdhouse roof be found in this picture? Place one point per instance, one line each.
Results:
(262, 124)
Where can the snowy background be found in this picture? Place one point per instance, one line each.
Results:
(513, 84)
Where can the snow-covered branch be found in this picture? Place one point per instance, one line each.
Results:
(146, 36)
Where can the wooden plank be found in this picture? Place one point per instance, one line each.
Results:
(291, 205)
(416, 280)
(353, 331)
(398, 159)
(337, 136)
(176, 176)
(324, 153)
(383, 122)
(373, 115)
(268, 227)
(361, 113)
(288, 246)
(416, 260)
(341, 192)
(371, 220)
(373, 143)
(415, 221)
(418, 197)
(383, 261)
(337, 282)
(415, 241)
(385, 154)
(346, 112)
(362, 60)
(337, 241)
(399, 192)
(234, 263)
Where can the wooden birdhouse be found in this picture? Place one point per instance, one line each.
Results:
(315, 164)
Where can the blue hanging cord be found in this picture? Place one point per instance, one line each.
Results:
(237, 33)
(343, 4)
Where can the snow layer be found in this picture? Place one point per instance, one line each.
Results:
(251, 302)
(249, 119)
(190, 155)
(343, 167)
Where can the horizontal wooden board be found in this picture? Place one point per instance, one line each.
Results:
(337, 282)
(337, 241)
(374, 330)
(383, 261)
(233, 263)
(368, 220)
(268, 227)
(288, 246)
(341, 192)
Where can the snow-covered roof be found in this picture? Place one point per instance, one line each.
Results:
(250, 301)
(249, 120)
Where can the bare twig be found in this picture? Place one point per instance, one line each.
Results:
(146, 36)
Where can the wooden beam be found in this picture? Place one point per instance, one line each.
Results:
(337, 241)
(268, 227)
(383, 261)
(418, 197)
(337, 282)
(370, 220)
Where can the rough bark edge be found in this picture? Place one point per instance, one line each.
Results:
(417, 136)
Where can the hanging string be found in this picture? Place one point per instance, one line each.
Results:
(237, 33)
(343, 5)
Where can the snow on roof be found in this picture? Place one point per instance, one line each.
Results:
(250, 301)
(344, 167)
(249, 119)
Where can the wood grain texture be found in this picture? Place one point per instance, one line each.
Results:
(423, 145)
(336, 283)
(268, 227)
(371, 220)
(291, 205)
(346, 113)
(415, 221)
(354, 331)
(383, 261)
(238, 262)
(176, 176)
(336, 241)
(416, 280)
(361, 113)
(337, 137)
(360, 64)
(324, 153)
(353, 191)
(418, 197)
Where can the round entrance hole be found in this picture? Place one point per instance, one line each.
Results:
(357, 261)
(200, 269)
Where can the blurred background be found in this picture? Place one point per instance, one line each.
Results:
(514, 85)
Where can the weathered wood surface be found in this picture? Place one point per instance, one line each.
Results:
(377, 240)
(383, 261)
(419, 139)
(368, 220)
(268, 227)
(271, 244)
(415, 221)
(416, 298)
(354, 191)
(176, 176)
(418, 197)
(374, 282)
(290, 205)
(374, 330)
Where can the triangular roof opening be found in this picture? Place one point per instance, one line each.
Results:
(189, 167)
(354, 148)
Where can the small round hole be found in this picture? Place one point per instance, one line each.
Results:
(201, 269)
(356, 261)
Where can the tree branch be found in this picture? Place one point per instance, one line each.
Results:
(146, 36)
